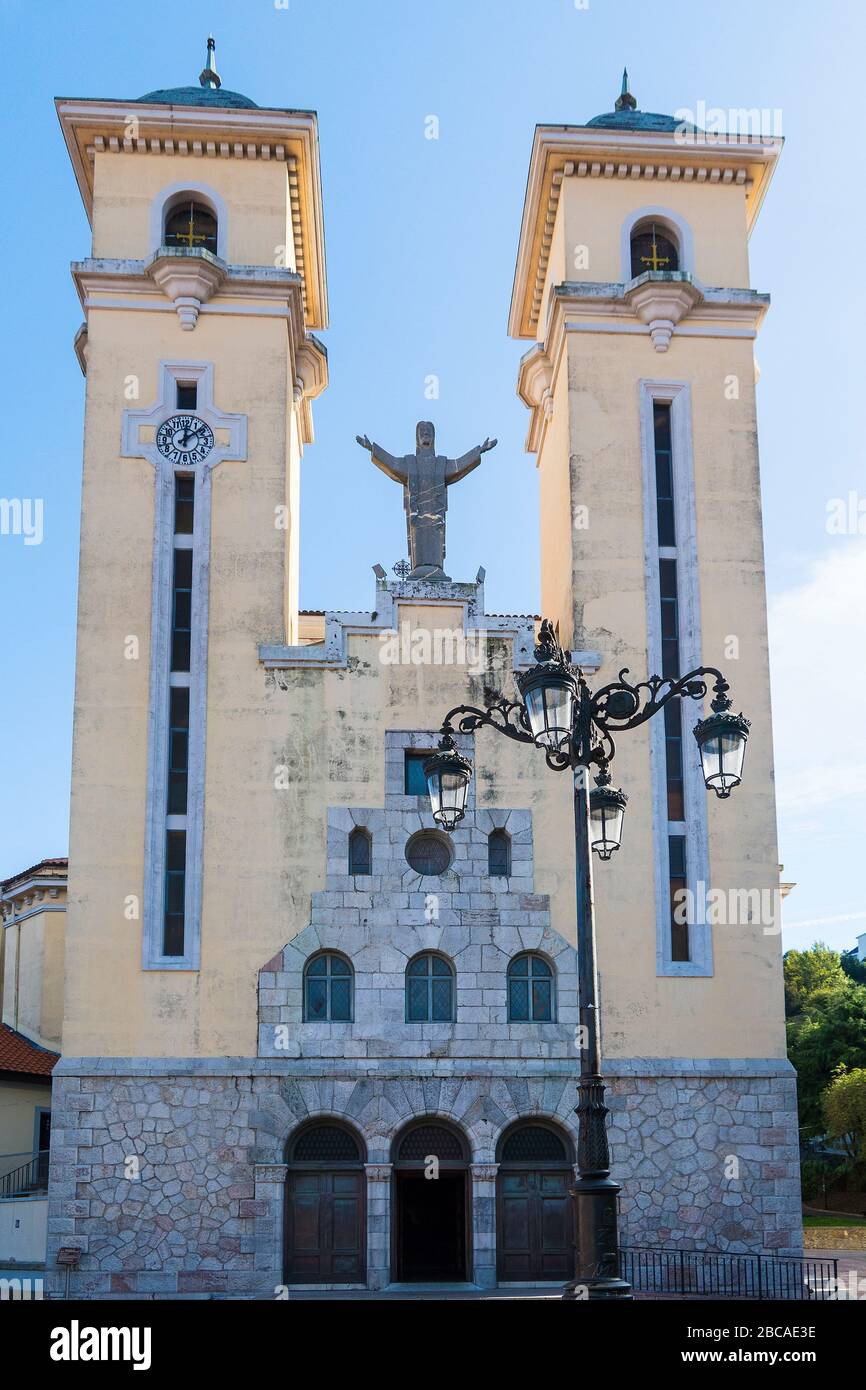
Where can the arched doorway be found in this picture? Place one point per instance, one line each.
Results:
(325, 1209)
(534, 1213)
(431, 1205)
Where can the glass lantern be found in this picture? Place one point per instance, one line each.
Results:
(722, 742)
(606, 810)
(448, 776)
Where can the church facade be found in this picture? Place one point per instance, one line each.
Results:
(291, 1000)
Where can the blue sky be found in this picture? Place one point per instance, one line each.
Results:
(421, 238)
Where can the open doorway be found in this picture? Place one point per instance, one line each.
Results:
(431, 1206)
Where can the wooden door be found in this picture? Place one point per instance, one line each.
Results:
(535, 1232)
(325, 1227)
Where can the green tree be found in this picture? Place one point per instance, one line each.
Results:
(844, 1107)
(829, 1032)
(808, 974)
(855, 969)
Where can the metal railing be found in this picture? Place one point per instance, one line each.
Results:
(28, 1178)
(703, 1273)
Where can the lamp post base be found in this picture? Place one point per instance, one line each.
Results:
(596, 1275)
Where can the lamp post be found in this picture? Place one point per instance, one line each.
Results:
(575, 726)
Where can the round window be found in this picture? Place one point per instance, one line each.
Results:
(429, 853)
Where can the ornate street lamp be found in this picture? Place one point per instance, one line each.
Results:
(575, 726)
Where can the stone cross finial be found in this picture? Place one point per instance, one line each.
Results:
(425, 476)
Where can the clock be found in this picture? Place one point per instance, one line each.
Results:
(184, 439)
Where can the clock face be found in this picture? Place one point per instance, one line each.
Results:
(184, 439)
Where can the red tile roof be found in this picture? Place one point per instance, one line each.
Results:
(18, 1053)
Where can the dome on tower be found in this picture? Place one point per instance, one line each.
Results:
(197, 96)
(210, 91)
(626, 116)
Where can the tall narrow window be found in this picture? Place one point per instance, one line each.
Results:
(174, 919)
(499, 854)
(178, 749)
(360, 851)
(175, 892)
(670, 654)
(181, 614)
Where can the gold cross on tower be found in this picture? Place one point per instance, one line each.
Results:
(189, 237)
(655, 261)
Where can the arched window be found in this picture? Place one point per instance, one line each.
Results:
(190, 225)
(429, 990)
(530, 989)
(429, 853)
(326, 1143)
(427, 1137)
(653, 248)
(528, 1143)
(360, 851)
(499, 854)
(328, 989)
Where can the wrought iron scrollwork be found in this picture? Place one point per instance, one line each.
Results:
(506, 716)
(624, 704)
(618, 706)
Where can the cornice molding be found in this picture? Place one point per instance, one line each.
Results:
(289, 137)
(245, 290)
(561, 152)
(585, 307)
(241, 289)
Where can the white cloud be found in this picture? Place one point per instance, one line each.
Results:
(818, 667)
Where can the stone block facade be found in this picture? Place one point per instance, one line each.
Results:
(169, 1174)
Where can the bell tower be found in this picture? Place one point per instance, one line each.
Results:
(202, 295)
(632, 282)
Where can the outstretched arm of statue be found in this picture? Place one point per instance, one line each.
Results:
(458, 468)
(394, 467)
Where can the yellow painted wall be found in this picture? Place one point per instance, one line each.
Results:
(256, 191)
(19, 1101)
(556, 512)
(737, 1011)
(265, 849)
(594, 210)
(33, 979)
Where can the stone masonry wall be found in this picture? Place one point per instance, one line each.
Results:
(204, 1216)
